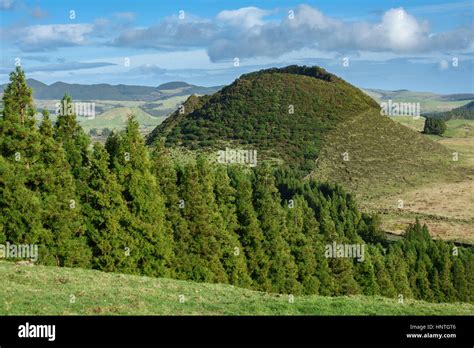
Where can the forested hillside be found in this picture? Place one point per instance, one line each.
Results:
(125, 207)
(285, 113)
(465, 112)
(314, 122)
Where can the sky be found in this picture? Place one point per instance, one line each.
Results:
(417, 45)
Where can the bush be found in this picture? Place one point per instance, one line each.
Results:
(434, 126)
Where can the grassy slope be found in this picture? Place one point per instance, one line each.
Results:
(117, 118)
(41, 290)
(384, 157)
(445, 205)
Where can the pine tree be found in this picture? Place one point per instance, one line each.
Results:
(20, 147)
(61, 209)
(204, 253)
(444, 266)
(381, 275)
(301, 231)
(233, 258)
(249, 231)
(422, 281)
(19, 138)
(343, 273)
(75, 142)
(168, 176)
(468, 264)
(398, 270)
(39, 203)
(323, 273)
(460, 281)
(365, 275)
(20, 208)
(107, 218)
(129, 160)
(435, 287)
(283, 270)
(18, 105)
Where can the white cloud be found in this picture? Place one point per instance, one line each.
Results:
(42, 37)
(246, 17)
(249, 33)
(170, 32)
(400, 31)
(396, 32)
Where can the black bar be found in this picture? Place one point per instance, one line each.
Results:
(217, 330)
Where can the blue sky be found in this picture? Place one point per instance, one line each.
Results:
(417, 45)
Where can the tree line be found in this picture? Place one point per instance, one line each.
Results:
(125, 207)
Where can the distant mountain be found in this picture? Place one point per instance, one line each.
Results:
(173, 85)
(463, 112)
(463, 96)
(114, 92)
(429, 102)
(400, 93)
(468, 106)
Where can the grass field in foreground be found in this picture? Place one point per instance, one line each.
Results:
(40, 290)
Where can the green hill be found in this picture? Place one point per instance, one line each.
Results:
(330, 117)
(41, 290)
(283, 113)
(117, 118)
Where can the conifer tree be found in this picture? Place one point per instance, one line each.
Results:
(203, 246)
(74, 141)
(168, 176)
(365, 274)
(301, 232)
(19, 138)
(444, 266)
(250, 234)
(233, 258)
(20, 208)
(460, 282)
(61, 209)
(129, 160)
(398, 270)
(18, 105)
(381, 275)
(283, 270)
(107, 218)
(422, 280)
(343, 273)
